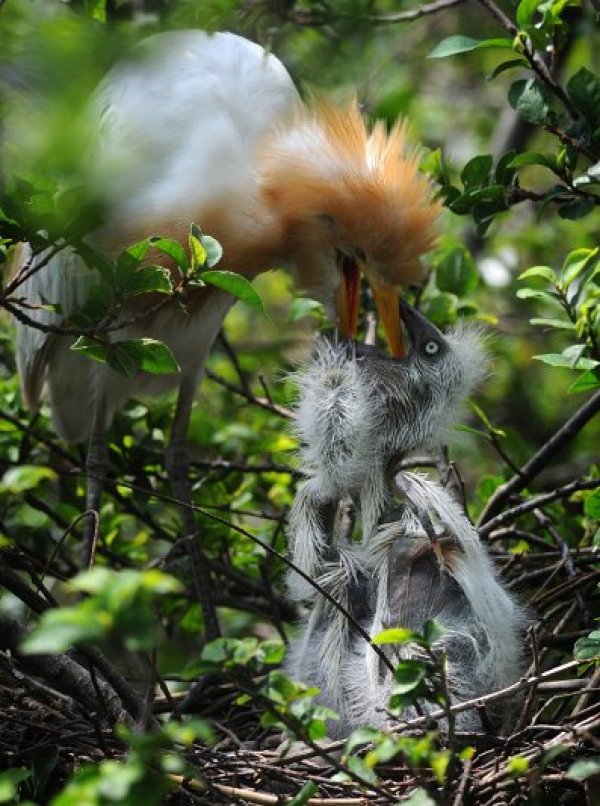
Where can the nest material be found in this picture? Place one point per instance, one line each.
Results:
(561, 709)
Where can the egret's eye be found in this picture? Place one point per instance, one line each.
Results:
(431, 347)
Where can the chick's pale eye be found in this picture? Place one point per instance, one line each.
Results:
(432, 347)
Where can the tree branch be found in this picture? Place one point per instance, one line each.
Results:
(537, 462)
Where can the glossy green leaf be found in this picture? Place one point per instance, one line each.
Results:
(17, 480)
(539, 271)
(577, 262)
(584, 90)
(144, 280)
(395, 635)
(9, 783)
(476, 171)
(566, 361)
(573, 211)
(172, 249)
(530, 98)
(213, 250)
(408, 675)
(511, 64)
(557, 324)
(92, 348)
(236, 285)
(307, 791)
(587, 381)
(591, 505)
(456, 44)
(64, 627)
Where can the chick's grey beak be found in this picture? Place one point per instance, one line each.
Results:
(418, 327)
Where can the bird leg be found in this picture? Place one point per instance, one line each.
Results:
(95, 467)
(177, 464)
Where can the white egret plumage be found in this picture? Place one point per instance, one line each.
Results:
(210, 129)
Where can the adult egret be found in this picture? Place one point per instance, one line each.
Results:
(210, 129)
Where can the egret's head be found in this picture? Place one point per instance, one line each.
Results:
(350, 201)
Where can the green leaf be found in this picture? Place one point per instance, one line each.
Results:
(9, 783)
(408, 675)
(530, 99)
(213, 249)
(360, 737)
(584, 90)
(155, 357)
(395, 635)
(236, 285)
(92, 348)
(59, 629)
(557, 324)
(573, 211)
(583, 769)
(533, 293)
(476, 171)
(358, 767)
(517, 766)
(441, 309)
(568, 361)
(457, 273)
(534, 158)
(307, 791)
(302, 307)
(433, 631)
(591, 506)
(503, 66)
(172, 249)
(463, 44)
(539, 271)
(587, 381)
(145, 280)
(197, 252)
(578, 262)
(129, 356)
(587, 648)
(525, 11)
(20, 479)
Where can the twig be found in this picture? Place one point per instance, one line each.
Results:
(533, 503)
(537, 462)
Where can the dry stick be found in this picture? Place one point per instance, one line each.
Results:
(263, 798)
(569, 565)
(539, 460)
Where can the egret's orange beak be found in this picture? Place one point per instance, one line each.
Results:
(348, 295)
(386, 302)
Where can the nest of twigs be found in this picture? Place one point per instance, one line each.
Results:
(57, 712)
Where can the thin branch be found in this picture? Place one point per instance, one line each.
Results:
(537, 462)
(538, 65)
(533, 503)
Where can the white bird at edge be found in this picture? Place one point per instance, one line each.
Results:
(210, 129)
